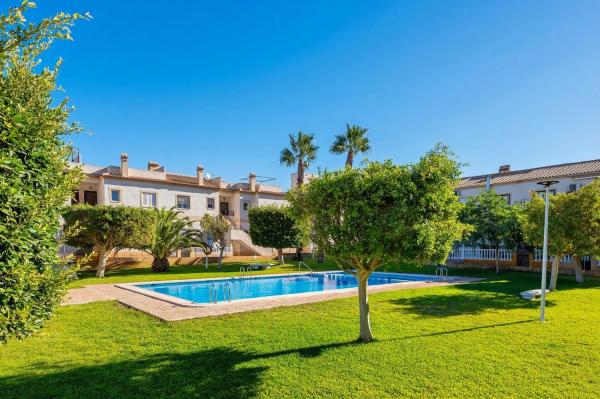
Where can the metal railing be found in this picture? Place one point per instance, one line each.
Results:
(305, 265)
(212, 294)
(442, 272)
(480, 253)
(538, 256)
(226, 288)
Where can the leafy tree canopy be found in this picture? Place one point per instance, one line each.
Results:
(274, 227)
(35, 180)
(365, 217)
(104, 228)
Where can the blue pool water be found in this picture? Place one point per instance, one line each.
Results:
(256, 287)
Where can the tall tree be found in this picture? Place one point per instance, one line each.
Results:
(495, 222)
(274, 226)
(365, 217)
(573, 225)
(217, 228)
(301, 152)
(104, 228)
(170, 232)
(352, 142)
(35, 180)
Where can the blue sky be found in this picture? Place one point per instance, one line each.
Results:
(223, 83)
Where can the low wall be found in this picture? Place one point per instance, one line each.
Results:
(535, 266)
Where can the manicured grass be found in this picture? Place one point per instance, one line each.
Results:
(476, 340)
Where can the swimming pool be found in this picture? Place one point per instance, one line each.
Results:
(219, 290)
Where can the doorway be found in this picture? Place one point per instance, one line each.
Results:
(224, 208)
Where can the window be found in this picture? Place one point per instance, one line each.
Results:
(506, 198)
(149, 200)
(115, 195)
(210, 203)
(246, 206)
(542, 193)
(183, 202)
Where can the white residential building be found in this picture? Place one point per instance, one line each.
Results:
(195, 195)
(516, 186)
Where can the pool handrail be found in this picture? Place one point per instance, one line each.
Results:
(305, 265)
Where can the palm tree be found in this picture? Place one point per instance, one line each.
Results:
(301, 152)
(170, 233)
(354, 141)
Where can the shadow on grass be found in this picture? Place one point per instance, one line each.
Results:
(215, 373)
(499, 292)
(469, 329)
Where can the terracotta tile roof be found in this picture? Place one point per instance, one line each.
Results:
(575, 169)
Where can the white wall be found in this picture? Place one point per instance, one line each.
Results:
(166, 195)
(521, 191)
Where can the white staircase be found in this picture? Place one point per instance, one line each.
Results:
(243, 238)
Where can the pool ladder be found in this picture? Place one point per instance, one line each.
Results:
(442, 272)
(213, 293)
(306, 266)
(245, 271)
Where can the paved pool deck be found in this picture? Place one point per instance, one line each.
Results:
(172, 312)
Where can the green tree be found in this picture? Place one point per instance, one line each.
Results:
(368, 216)
(352, 142)
(170, 232)
(495, 222)
(274, 227)
(217, 228)
(104, 228)
(301, 153)
(573, 223)
(35, 180)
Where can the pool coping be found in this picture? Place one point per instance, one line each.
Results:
(134, 287)
(169, 310)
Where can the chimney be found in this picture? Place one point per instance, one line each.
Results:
(252, 182)
(124, 164)
(153, 166)
(504, 168)
(200, 174)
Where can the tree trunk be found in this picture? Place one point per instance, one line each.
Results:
(554, 272)
(350, 158)
(497, 259)
(280, 255)
(320, 257)
(160, 265)
(299, 182)
(576, 260)
(206, 262)
(220, 264)
(363, 302)
(300, 174)
(102, 258)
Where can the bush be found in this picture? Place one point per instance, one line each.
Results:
(35, 180)
(104, 228)
(273, 227)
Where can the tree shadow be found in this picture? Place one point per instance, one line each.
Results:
(472, 298)
(216, 373)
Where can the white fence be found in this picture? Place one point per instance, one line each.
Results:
(537, 255)
(480, 253)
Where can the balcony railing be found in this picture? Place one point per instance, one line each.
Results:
(480, 253)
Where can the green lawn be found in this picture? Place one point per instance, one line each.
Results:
(476, 340)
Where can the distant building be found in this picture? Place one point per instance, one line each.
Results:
(516, 186)
(195, 195)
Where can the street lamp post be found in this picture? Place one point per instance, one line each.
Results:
(547, 185)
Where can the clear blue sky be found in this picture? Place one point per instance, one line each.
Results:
(222, 83)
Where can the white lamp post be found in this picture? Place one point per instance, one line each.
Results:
(546, 184)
